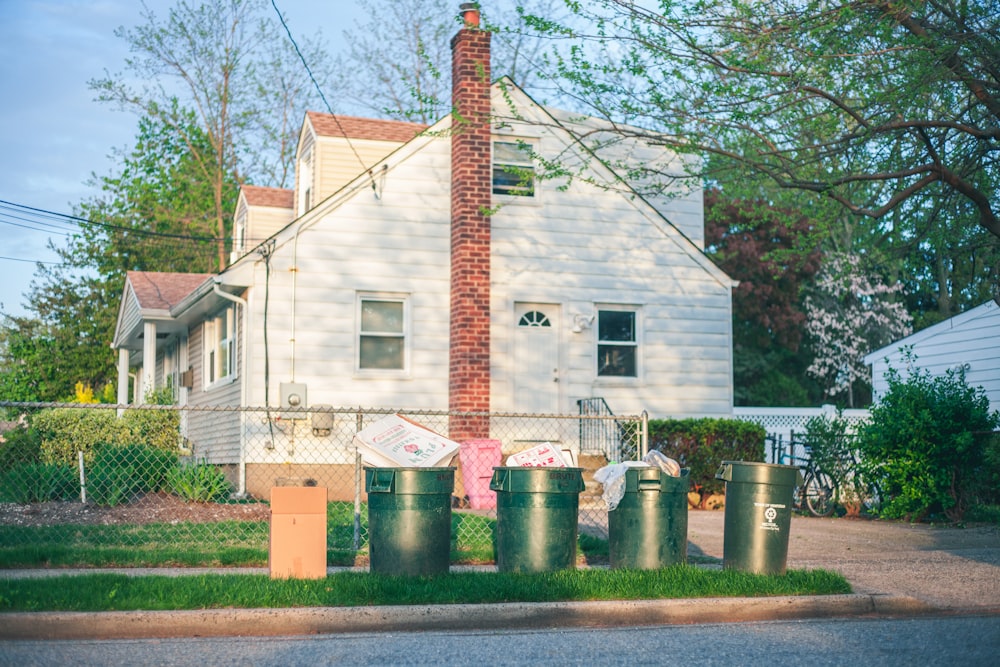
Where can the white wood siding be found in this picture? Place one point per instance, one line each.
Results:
(263, 222)
(398, 244)
(335, 163)
(215, 436)
(971, 339)
(575, 249)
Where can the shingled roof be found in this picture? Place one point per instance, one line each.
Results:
(162, 291)
(328, 125)
(274, 197)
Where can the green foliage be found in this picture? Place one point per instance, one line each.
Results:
(19, 446)
(363, 589)
(66, 431)
(118, 473)
(831, 448)
(703, 444)
(922, 444)
(156, 428)
(200, 482)
(38, 483)
(984, 487)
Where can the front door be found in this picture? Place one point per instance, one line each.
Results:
(536, 358)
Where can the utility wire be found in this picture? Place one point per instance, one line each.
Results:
(104, 225)
(319, 90)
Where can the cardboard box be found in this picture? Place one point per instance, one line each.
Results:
(297, 548)
(397, 442)
(545, 455)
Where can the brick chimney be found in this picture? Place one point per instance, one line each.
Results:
(471, 184)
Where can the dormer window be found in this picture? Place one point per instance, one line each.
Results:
(305, 181)
(513, 169)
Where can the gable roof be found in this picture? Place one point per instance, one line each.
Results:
(149, 297)
(955, 322)
(256, 195)
(330, 125)
(163, 291)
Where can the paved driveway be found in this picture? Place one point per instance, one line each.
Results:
(950, 568)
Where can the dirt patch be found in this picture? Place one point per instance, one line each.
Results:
(149, 508)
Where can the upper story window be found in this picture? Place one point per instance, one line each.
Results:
(305, 181)
(220, 347)
(617, 346)
(513, 169)
(239, 233)
(382, 335)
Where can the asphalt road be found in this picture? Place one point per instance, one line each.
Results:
(969, 641)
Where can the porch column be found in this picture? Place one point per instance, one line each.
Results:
(148, 360)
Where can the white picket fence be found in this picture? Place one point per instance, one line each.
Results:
(785, 426)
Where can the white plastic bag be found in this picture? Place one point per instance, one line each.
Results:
(663, 462)
(612, 477)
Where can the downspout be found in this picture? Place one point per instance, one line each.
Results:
(242, 491)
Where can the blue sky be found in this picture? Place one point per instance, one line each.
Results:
(54, 136)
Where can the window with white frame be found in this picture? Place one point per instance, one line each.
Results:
(220, 347)
(305, 181)
(513, 169)
(382, 333)
(617, 345)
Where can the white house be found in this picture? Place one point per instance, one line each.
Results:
(970, 340)
(434, 268)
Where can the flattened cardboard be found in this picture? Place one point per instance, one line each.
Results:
(397, 442)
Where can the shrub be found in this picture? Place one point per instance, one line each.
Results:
(984, 489)
(38, 483)
(703, 444)
(20, 446)
(119, 473)
(156, 428)
(200, 482)
(65, 431)
(831, 448)
(921, 443)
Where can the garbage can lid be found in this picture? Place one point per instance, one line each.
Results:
(752, 472)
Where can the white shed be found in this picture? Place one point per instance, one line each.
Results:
(970, 340)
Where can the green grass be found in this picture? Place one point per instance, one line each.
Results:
(222, 544)
(114, 592)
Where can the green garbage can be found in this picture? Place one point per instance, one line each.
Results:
(409, 520)
(537, 511)
(648, 528)
(758, 515)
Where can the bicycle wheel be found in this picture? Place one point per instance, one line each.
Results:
(819, 493)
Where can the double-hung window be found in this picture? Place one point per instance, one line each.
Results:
(220, 347)
(382, 334)
(513, 169)
(617, 345)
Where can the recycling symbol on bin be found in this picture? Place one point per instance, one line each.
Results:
(770, 513)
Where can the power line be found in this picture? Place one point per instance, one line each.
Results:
(30, 261)
(104, 225)
(319, 90)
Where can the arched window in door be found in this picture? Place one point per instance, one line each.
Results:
(534, 318)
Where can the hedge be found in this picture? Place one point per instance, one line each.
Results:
(703, 444)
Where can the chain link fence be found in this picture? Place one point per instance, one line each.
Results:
(197, 479)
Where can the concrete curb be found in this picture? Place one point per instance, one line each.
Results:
(334, 620)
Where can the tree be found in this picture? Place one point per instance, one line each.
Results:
(154, 213)
(873, 104)
(229, 62)
(398, 60)
(773, 253)
(850, 313)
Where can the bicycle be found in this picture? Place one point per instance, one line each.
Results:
(818, 493)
